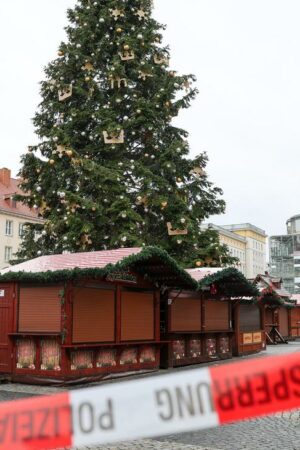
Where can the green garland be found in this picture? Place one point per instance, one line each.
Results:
(133, 262)
(275, 300)
(230, 282)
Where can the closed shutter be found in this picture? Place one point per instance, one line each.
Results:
(93, 315)
(137, 316)
(249, 318)
(216, 315)
(185, 314)
(40, 309)
(283, 322)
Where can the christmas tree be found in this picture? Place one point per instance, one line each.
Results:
(111, 170)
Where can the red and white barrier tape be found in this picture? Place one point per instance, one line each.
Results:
(156, 406)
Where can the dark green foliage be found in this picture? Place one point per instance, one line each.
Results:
(230, 282)
(272, 299)
(95, 196)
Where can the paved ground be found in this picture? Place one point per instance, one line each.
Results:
(279, 432)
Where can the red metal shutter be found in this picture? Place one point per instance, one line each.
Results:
(283, 322)
(40, 309)
(249, 318)
(137, 316)
(216, 315)
(185, 314)
(93, 315)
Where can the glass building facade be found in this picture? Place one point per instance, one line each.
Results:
(285, 256)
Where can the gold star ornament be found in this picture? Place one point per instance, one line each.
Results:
(141, 14)
(116, 13)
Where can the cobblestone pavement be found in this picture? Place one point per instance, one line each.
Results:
(278, 432)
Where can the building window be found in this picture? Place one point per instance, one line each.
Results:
(8, 254)
(21, 229)
(9, 228)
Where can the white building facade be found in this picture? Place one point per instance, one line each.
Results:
(13, 216)
(246, 242)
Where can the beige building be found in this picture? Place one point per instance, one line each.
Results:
(13, 216)
(246, 242)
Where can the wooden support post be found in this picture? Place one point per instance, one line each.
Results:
(118, 313)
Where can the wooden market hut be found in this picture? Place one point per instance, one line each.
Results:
(80, 317)
(295, 317)
(277, 304)
(200, 325)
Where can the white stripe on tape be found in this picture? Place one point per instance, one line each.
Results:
(143, 408)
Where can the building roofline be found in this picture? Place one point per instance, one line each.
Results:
(297, 216)
(20, 215)
(245, 226)
(225, 232)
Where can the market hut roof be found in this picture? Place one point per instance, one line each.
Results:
(272, 292)
(296, 298)
(275, 283)
(229, 282)
(152, 263)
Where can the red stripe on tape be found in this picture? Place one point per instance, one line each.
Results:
(38, 423)
(257, 387)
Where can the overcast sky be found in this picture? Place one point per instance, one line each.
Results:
(245, 54)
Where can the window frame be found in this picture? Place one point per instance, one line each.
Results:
(8, 252)
(9, 227)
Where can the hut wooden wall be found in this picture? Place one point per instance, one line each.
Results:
(197, 328)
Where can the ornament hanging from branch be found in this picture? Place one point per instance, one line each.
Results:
(197, 172)
(43, 207)
(118, 81)
(116, 13)
(52, 84)
(88, 67)
(60, 150)
(161, 60)
(73, 207)
(187, 85)
(127, 55)
(114, 137)
(176, 232)
(65, 93)
(85, 240)
(91, 92)
(145, 75)
(141, 14)
(142, 200)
